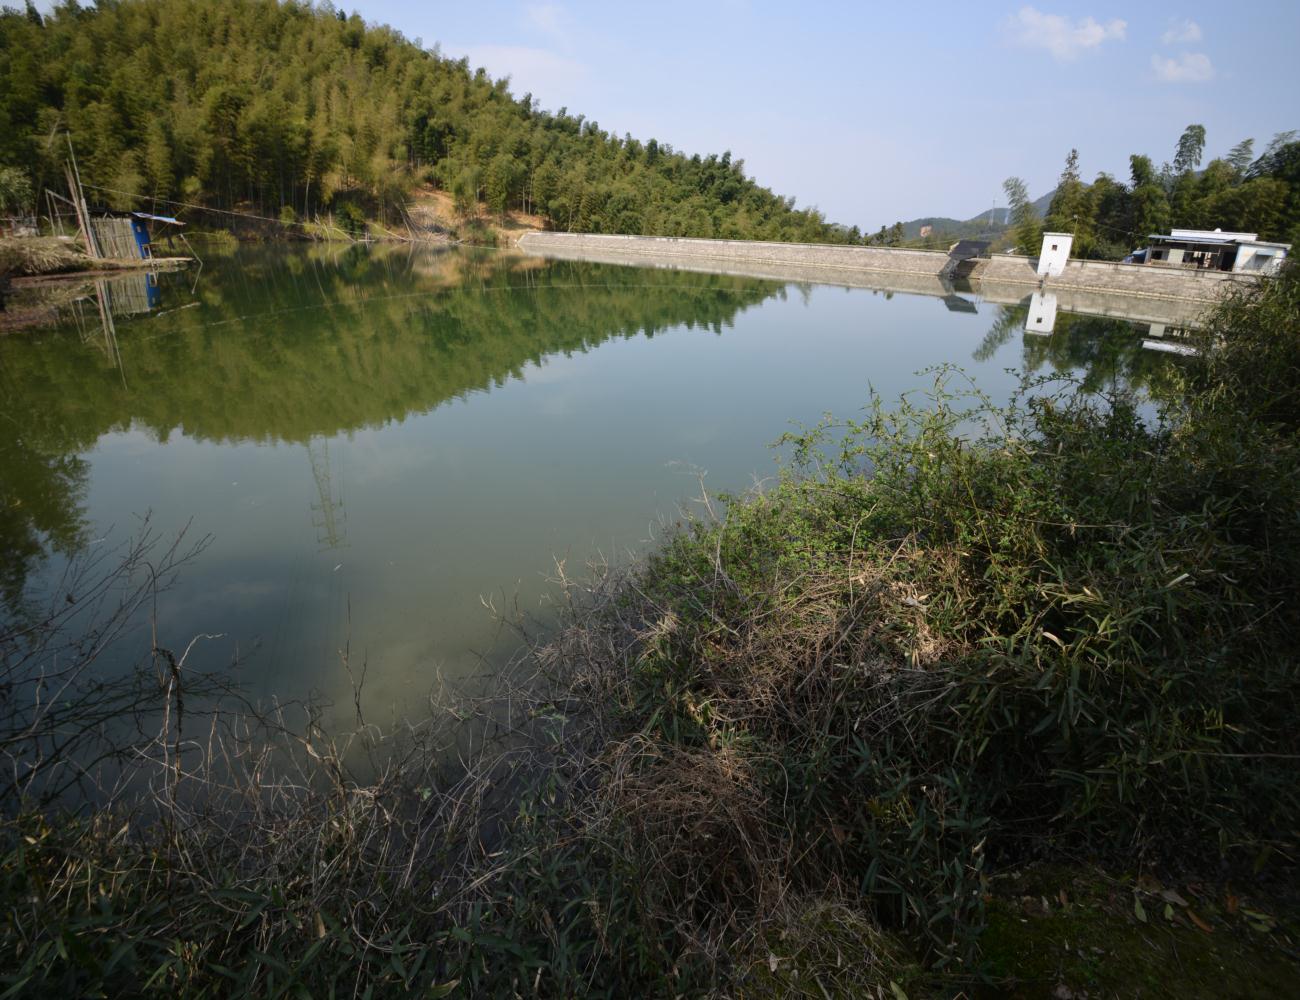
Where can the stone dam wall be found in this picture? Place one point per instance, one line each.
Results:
(916, 282)
(1186, 313)
(881, 267)
(647, 249)
(1109, 277)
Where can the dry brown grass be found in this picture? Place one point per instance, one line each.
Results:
(825, 946)
(36, 255)
(432, 211)
(699, 820)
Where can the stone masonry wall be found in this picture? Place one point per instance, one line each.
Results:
(743, 251)
(1108, 276)
(802, 259)
(875, 279)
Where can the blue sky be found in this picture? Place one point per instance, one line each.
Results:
(882, 111)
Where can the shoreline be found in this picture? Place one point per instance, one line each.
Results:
(103, 267)
(25, 260)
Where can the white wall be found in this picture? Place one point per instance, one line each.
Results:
(1251, 261)
(1042, 313)
(1055, 252)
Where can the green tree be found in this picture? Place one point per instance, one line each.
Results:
(1148, 201)
(1191, 144)
(1026, 227)
(1240, 155)
(501, 181)
(158, 161)
(1071, 210)
(465, 192)
(15, 191)
(1268, 162)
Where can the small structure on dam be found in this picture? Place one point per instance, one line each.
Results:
(1205, 250)
(1054, 254)
(963, 257)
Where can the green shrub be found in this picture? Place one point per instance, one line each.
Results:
(1073, 634)
(478, 233)
(350, 219)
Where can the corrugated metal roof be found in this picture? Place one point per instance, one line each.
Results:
(1218, 241)
(965, 249)
(158, 218)
(1196, 234)
(1211, 240)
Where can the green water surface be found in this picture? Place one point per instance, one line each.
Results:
(381, 442)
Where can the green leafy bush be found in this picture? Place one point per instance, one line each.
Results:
(925, 654)
(350, 219)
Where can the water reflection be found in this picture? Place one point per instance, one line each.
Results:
(1170, 337)
(956, 303)
(329, 518)
(1104, 353)
(1041, 314)
(378, 439)
(291, 348)
(314, 347)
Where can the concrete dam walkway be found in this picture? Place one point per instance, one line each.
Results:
(1167, 294)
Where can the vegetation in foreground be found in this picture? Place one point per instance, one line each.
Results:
(973, 700)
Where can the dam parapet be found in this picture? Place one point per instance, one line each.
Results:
(882, 268)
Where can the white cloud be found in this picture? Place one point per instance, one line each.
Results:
(1061, 36)
(1189, 67)
(1182, 32)
(549, 19)
(551, 78)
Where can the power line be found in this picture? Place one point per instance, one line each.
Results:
(219, 211)
(197, 208)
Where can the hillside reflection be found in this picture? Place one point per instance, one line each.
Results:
(271, 346)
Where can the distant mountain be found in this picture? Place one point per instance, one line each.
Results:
(1001, 215)
(990, 222)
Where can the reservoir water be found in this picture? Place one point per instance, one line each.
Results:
(382, 442)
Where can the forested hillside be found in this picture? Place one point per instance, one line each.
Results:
(287, 108)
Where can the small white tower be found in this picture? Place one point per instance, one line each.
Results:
(1042, 313)
(1055, 252)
